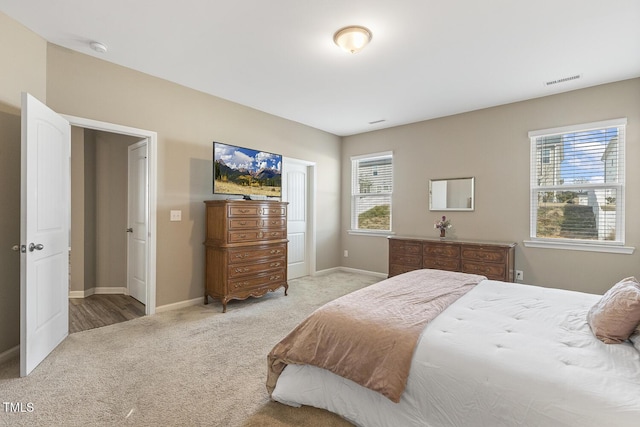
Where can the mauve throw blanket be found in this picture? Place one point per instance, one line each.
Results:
(369, 335)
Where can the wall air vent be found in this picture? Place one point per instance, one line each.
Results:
(377, 121)
(562, 80)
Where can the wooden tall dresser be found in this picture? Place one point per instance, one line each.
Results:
(495, 260)
(246, 249)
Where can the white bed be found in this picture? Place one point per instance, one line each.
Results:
(504, 354)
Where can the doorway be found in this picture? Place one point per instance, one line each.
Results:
(298, 189)
(109, 274)
(108, 200)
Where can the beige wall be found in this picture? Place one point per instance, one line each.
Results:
(111, 209)
(493, 146)
(187, 122)
(99, 209)
(89, 211)
(24, 64)
(9, 231)
(24, 68)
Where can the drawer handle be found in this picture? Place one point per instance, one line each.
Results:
(274, 264)
(276, 277)
(275, 251)
(242, 270)
(242, 236)
(243, 222)
(275, 211)
(244, 210)
(275, 222)
(240, 284)
(241, 256)
(274, 234)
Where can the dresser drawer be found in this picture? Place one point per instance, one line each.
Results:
(256, 235)
(239, 270)
(273, 222)
(492, 271)
(243, 284)
(243, 223)
(248, 223)
(408, 260)
(235, 211)
(443, 250)
(243, 255)
(484, 254)
(404, 247)
(273, 211)
(449, 264)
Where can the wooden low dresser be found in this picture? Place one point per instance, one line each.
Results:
(495, 260)
(246, 249)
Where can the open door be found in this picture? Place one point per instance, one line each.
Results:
(138, 213)
(44, 232)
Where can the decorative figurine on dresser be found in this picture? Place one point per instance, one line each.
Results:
(246, 249)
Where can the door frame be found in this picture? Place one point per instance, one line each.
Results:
(311, 208)
(152, 191)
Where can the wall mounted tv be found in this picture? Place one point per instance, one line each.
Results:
(244, 171)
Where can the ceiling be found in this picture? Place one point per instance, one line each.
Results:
(427, 58)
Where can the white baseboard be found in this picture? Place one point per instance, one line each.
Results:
(10, 354)
(111, 291)
(327, 271)
(181, 304)
(350, 270)
(100, 290)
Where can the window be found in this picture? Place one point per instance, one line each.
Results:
(577, 185)
(371, 189)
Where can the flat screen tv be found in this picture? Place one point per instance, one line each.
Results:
(247, 172)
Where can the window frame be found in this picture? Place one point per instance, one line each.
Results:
(615, 246)
(355, 160)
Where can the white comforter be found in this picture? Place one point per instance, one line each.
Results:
(502, 355)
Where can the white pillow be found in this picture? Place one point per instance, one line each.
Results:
(635, 338)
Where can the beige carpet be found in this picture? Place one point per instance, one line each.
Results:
(188, 367)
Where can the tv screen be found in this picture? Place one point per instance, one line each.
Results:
(245, 171)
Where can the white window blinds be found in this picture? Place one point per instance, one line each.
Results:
(577, 183)
(371, 190)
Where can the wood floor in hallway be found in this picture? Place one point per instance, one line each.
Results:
(101, 310)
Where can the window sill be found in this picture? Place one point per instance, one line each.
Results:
(375, 233)
(628, 250)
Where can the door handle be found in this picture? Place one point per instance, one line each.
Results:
(34, 247)
(129, 230)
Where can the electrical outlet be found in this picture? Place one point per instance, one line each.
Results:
(175, 216)
(346, 253)
(519, 275)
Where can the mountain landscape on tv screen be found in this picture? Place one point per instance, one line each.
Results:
(249, 172)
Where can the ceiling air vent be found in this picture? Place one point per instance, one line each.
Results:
(377, 121)
(562, 80)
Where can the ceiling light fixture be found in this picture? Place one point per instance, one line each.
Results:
(353, 38)
(98, 47)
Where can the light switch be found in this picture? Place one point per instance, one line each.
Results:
(176, 216)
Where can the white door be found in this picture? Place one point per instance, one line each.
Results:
(294, 191)
(44, 232)
(138, 214)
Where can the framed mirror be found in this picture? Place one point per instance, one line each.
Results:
(452, 194)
